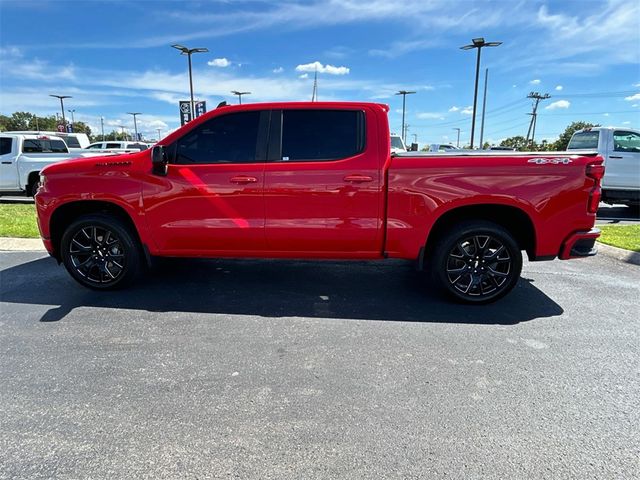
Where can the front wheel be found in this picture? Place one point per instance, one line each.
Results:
(477, 262)
(100, 252)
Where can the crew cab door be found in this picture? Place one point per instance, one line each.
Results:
(623, 161)
(210, 201)
(8, 166)
(323, 183)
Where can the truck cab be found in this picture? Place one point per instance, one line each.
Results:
(620, 148)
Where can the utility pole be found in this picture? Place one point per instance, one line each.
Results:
(158, 130)
(102, 126)
(458, 141)
(404, 94)
(415, 137)
(484, 107)
(314, 94)
(477, 43)
(537, 98)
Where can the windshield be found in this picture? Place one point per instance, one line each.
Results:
(584, 141)
(396, 142)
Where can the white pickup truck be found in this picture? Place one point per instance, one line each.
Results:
(620, 148)
(22, 156)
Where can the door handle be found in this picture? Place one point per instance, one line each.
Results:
(358, 178)
(243, 179)
(615, 156)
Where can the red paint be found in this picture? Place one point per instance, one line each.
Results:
(366, 206)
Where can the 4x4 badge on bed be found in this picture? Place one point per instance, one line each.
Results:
(555, 161)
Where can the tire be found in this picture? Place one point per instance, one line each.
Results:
(32, 188)
(476, 262)
(101, 252)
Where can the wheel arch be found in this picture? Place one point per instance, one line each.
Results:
(67, 213)
(513, 219)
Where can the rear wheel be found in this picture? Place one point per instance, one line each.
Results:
(100, 252)
(477, 262)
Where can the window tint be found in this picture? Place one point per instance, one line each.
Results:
(321, 134)
(72, 142)
(584, 140)
(44, 146)
(626, 142)
(227, 139)
(138, 146)
(95, 145)
(5, 145)
(113, 145)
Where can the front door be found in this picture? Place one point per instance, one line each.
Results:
(323, 192)
(211, 201)
(8, 167)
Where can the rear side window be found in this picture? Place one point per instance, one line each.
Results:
(228, 138)
(44, 146)
(138, 146)
(95, 146)
(309, 135)
(626, 142)
(584, 141)
(113, 145)
(5, 145)
(72, 142)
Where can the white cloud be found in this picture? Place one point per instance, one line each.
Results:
(626, 123)
(633, 97)
(278, 70)
(454, 109)
(558, 104)
(605, 114)
(535, 82)
(636, 84)
(304, 75)
(467, 110)
(559, 87)
(219, 62)
(430, 116)
(320, 68)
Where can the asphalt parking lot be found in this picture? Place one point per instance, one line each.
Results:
(267, 369)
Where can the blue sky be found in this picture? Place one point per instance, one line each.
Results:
(115, 57)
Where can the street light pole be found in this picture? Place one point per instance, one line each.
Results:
(404, 94)
(458, 141)
(188, 52)
(124, 136)
(72, 111)
(135, 123)
(239, 94)
(484, 107)
(62, 97)
(477, 43)
(102, 127)
(158, 130)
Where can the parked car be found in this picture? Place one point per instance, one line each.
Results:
(22, 157)
(620, 148)
(317, 180)
(118, 146)
(442, 147)
(74, 141)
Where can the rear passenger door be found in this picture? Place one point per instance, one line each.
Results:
(623, 164)
(322, 183)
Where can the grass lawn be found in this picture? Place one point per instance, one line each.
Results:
(18, 221)
(621, 236)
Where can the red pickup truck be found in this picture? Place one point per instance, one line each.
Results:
(317, 180)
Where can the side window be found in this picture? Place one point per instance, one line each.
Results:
(58, 146)
(311, 135)
(113, 145)
(95, 146)
(72, 142)
(5, 145)
(231, 138)
(626, 141)
(33, 146)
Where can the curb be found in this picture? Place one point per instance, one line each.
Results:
(619, 253)
(10, 244)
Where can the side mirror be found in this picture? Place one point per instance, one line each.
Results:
(159, 160)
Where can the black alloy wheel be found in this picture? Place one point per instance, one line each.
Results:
(100, 252)
(478, 262)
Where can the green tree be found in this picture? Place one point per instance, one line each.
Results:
(518, 142)
(562, 142)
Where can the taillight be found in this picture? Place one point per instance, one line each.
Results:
(595, 171)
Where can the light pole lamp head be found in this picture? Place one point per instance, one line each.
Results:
(188, 51)
(404, 92)
(60, 96)
(235, 92)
